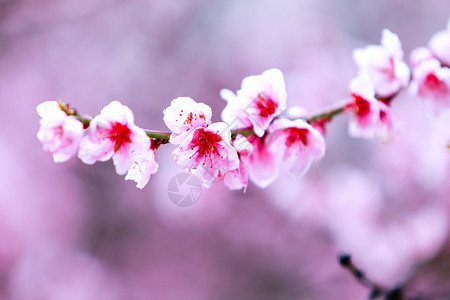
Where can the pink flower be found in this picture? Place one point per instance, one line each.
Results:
(238, 178)
(433, 81)
(59, 133)
(431, 71)
(384, 64)
(299, 143)
(263, 163)
(144, 165)
(291, 144)
(184, 115)
(113, 134)
(440, 45)
(363, 108)
(260, 99)
(207, 152)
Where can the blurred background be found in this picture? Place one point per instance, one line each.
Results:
(72, 231)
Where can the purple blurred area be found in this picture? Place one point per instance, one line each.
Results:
(72, 231)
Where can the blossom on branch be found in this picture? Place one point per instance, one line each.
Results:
(59, 133)
(207, 152)
(260, 99)
(113, 134)
(432, 81)
(431, 69)
(262, 142)
(384, 64)
(144, 165)
(293, 144)
(299, 143)
(363, 108)
(184, 115)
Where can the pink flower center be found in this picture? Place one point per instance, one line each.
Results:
(206, 142)
(266, 105)
(60, 139)
(120, 135)
(190, 118)
(58, 131)
(361, 106)
(257, 142)
(296, 134)
(434, 83)
(383, 115)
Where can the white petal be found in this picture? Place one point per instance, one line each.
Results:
(143, 167)
(391, 41)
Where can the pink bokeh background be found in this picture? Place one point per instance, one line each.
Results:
(72, 231)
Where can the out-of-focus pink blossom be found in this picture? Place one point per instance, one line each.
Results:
(432, 81)
(207, 152)
(299, 143)
(59, 133)
(113, 134)
(238, 179)
(260, 99)
(183, 115)
(431, 71)
(440, 45)
(384, 64)
(363, 108)
(428, 229)
(144, 165)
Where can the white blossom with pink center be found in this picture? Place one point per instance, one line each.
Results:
(432, 81)
(384, 64)
(238, 179)
(299, 143)
(113, 134)
(363, 109)
(260, 99)
(59, 133)
(440, 45)
(184, 115)
(207, 152)
(144, 165)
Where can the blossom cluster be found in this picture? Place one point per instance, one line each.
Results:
(111, 134)
(431, 69)
(382, 75)
(257, 138)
